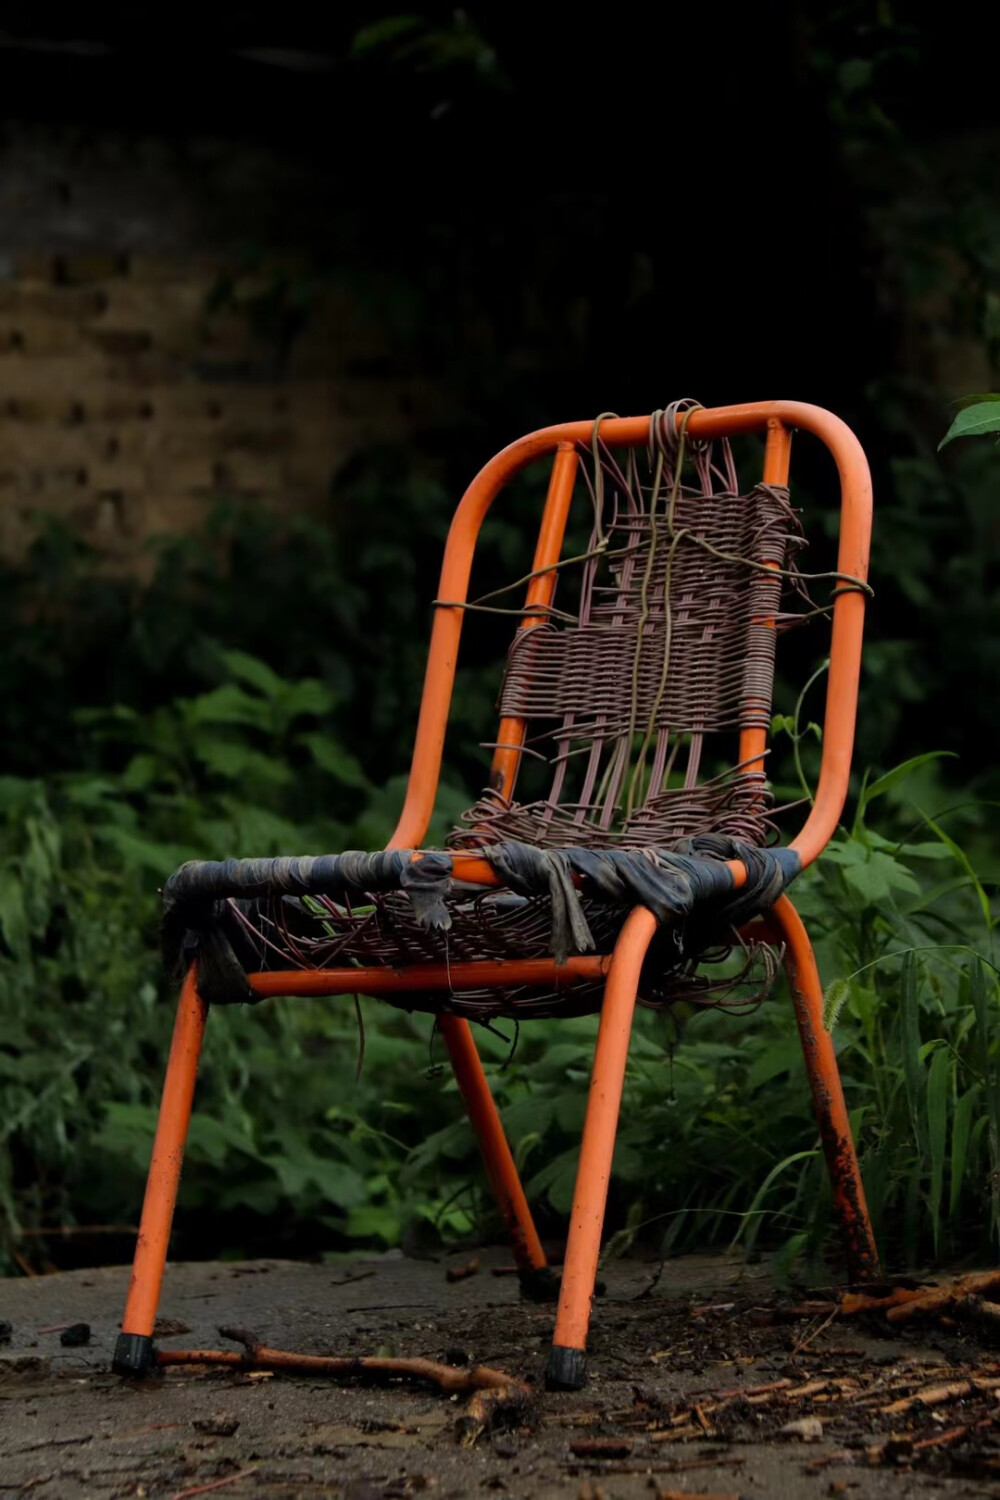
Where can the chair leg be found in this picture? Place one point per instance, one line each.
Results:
(134, 1348)
(537, 1280)
(828, 1097)
(567, 1358)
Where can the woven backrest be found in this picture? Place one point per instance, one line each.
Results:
(669, 641)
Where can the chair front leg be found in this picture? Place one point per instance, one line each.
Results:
(828, 1097)
(567, 1366)
(134, 1347)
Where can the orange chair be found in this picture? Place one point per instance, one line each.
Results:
(614, 883)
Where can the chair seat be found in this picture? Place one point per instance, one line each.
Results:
(397, 908)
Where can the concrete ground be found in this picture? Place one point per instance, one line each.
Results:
(658, 1417)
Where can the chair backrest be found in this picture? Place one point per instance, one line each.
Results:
(667, 636)
(670, 646)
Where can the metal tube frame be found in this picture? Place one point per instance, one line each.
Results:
(134, 1352)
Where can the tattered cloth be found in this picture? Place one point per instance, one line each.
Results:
(209, 906)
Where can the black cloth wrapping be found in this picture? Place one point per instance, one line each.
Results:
(688, 886)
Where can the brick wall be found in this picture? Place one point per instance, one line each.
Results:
(125, 409)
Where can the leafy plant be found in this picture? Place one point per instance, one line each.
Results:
(289, 1150)
(979, 415)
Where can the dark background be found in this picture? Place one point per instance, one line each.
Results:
(273, 285)
(564, 214)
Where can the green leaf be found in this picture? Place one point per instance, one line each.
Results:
(938, 1085)
(748, 1224)
(13, 917)
(235, 761)
(532, 1114)
(924, 851)
(138, 854)
(374, 1221)
(214, 1140)
(127, 1130)
(141, 772)
(341, 1185)
(974, 421)
(960, 1128)
(855, 74)
(228, 704)
(875, 875)
(250, 669)
(913, 1073)
(963, 859)
(389, 29)
(883, 784)
(335, 760)
(557, 1181)
(308, 699)
(783, 1055)
(980, 998)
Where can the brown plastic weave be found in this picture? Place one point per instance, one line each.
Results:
(673, 640)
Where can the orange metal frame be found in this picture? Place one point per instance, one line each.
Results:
(621, 970)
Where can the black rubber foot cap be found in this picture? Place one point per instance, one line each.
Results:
(133, 1355)
(566, 1369)
(540, 1284)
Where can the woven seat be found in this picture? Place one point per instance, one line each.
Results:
(626, 841)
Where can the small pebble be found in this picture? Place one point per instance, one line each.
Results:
(75, 1336)
(216, 1426)
(6, 1329)
(806, 1429)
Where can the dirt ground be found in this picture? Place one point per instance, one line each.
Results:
(674, 1405)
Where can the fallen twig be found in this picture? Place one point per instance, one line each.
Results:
(67, 1442)
(497, 1398)
(216, 1484)
(448, 1378)
(601, 1448)
(695, 1495)
(939, 1395)
(951, 1435)
(904, 1301)
(506, 1405)
(803, 1343)
(669, 1466)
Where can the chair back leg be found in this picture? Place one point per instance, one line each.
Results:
(134, 1347)
(828, 1097)
(536, 1279)
(567, 1357)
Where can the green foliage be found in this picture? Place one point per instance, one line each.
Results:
(281, 1134)
(289, 1151)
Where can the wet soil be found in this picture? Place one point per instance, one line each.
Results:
(692, 1380)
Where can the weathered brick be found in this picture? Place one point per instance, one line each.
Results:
(121, 343)
(19, 298)
(141, 266)
(128, 412)
(79, 266)
(35, 334)
(35, 265)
